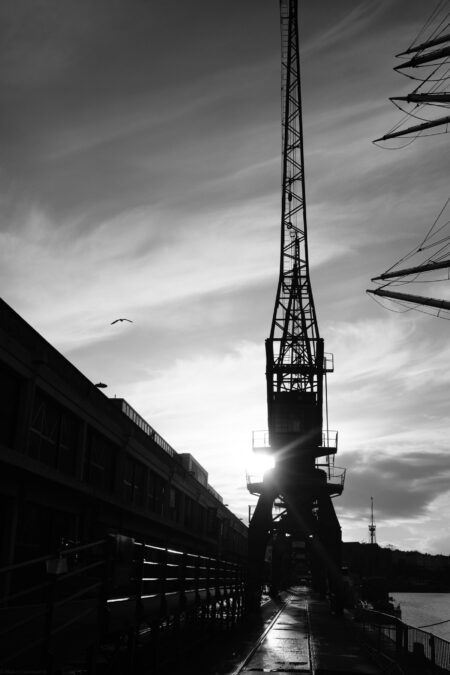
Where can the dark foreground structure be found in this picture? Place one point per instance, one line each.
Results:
(117, 556)
(107, 533)
(77, 465)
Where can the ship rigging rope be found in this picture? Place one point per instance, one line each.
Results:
(437, 77)
(410, 139)
(439, 7)
(409, 113)
(405, 308)
(425, 79)
(434, 89)
(428, 235)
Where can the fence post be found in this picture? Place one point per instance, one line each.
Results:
(242, 590)
(163, 557)
(105, 590)
(405, 639)
(398, 636)
(433, 654)
(139, 583)
(223, 593)
(110, 546)
(134, 633)
(207, 612)
(46, 658)
(182, 583)
(197, 579)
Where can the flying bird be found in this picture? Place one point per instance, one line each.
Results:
(116, 320)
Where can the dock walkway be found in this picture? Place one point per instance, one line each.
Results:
(295, 634)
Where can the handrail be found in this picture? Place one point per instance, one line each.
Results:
(17, 566)
(92, 577)
(396, 636)
(85, 568)
(83, 591)
(23, 622)
(28, 590)
(81, 547)
(35, 561)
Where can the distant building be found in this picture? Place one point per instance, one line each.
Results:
(404, 570)
(75, 464)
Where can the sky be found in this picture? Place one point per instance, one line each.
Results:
(140, 177)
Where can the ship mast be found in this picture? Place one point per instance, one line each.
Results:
(437, 77)
(432, 92)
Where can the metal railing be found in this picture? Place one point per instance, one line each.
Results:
(328, 362)
(330, 439)
(392, 637)
(261, 441)
(45, 597)
(63, 609)
(336, 475)
(254, 478)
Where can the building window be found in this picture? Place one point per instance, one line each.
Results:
(156, 493)
(201, 519)
(54, 434)
(213, 526)
(134, 479)
(174, 504)
(68, 443)
(100, 462)
(189, 511)
(9, 405)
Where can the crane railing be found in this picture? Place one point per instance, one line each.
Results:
(260, 441)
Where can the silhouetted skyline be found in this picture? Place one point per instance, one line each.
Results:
(141, 178)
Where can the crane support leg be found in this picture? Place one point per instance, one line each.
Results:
(258, 535)
(329, 551)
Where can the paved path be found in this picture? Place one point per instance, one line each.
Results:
(284, 647)
(305, 638)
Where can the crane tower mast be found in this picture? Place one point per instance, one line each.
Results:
(294, 350)
(301, 483)
(294, 324)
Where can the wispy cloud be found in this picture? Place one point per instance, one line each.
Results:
(349, 27)
(141, 180)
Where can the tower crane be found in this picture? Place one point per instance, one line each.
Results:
(304, 479)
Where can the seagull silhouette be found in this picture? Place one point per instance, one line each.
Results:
(116, 320)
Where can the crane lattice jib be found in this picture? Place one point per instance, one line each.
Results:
(294, 347)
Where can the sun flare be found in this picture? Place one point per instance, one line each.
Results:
(259, 463)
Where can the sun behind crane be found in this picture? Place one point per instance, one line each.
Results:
(304, 479)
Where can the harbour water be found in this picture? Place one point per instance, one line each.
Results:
(422, 609)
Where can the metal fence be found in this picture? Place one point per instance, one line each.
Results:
(394, 638)
(114, 599)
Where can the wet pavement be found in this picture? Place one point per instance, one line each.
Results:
(336, 646)
(306, 638)
(285, 647)
(293, 634)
